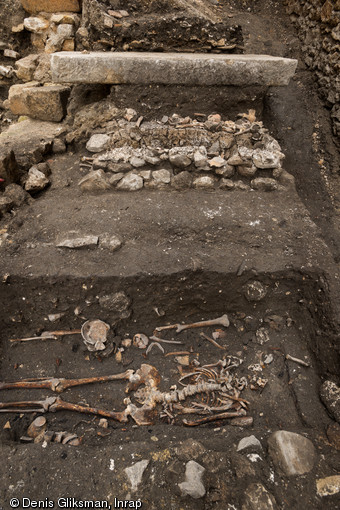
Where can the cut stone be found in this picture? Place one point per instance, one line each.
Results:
(131, 182)
(43, 103)
(34, 6)
(95, 180)
(292, 453)
(172, 68)
(193, 485)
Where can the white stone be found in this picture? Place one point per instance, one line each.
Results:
(145, 174)
(73, 240)
(11, 54)
(135, 473)
(36, 180)
(36, 25)
(5, 71)
(263, 158)
(292, 453)
(161, 176)
(217, 162)
(131, 182)
(110, 242)
(137, 162)
(193, 485)
(98, 143)
(246, 442)
(200, 157)
(65, 30)
(204, 182)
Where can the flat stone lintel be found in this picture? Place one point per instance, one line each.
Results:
(171, 69)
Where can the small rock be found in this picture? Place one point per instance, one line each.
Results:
(204, 182)
(246, 442)
(65, 30)
(44, 168)
(190, 449)
(137, 162)
(179, 159)
(11, 54)
(135, 473)
(181, 181)
(257, 497)
(15, 193)
(227, 184)
(95, 180)
(247, 171)
(292, 453)
(117, 167)
(264, 184)
(74, 241)
(193, 485)
(330, 396)
(54, 317)
(131, 182)
(241, 185)
(145, 174)
(26, 67)
(214, 149)
(225, 171)
(200, 157)
(242, 467)
(115, 178)
(36, 180)
(328, 486)
(103, 423)
(6, 205)
(112, 243)
(58, 146)
(6, 72)
(263, 158)
(254, 291)
(36, 25)
(235, 160)
(161, 176)
(118, 304)
(217, 162)
(18, 28)
(152, 160)
(98, 143)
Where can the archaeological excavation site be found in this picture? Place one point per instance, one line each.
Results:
(170, 249)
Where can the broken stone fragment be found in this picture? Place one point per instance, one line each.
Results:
(225, 171)
(58, 146)
(200, 157)
(258, 498)
(181, 181)
(96, 180)
(26, 67)
(246, 442)
(98, 143)
(73, 240)
(235, 160)
(204, 182)
(114, 179)
(36, 25)
(291, 453)
(161, 176)
(264, 184)
(330, 396)
(135, 473)
(328, 486)
(247, 171)
(131, 182)
(137, 162)
(179, 158)
(65, 30)
(263, 158)
(36, 180)
(217, 162)
(11, 54)
(110, 242)
(193, 485)
(226, 184)
(6, 71)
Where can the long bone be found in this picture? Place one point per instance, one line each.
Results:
(54, 404)
(61, 384)
(220, 321)
(214, 417)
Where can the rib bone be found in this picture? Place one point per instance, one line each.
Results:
(220, 321)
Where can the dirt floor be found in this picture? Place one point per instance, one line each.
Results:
(185, 257)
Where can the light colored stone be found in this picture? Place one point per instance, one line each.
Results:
(73, 240)
(264, 184)
(131, 182)
(26, 67)
(36, 25)
(64, 18)
(98, 143)
(193, 485)
(152, 160)
(11, 54)
(217, 162)
(18, 28)
(115, 178)
(328, 486)
(110, 242)
(34, 6)
(172, 68)
(200, 157)
(263, 158)
(54, 43)
(258, 498)
(135, 473)
(226, 184)
(38, 41)
(137, 162)
(36, 180)
(6, 71)
(235, 160)
(291, 453)
(204, 182)
(330, 396)
(247, 171)
(225, 171)
(179, 158)
(246, 442)
(161, 176)
(65, 30)
(44, 103)
(95, 180)
(145, 174)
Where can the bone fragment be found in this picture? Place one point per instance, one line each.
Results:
(161, 340)
(220, 321)
(47, 335)
(152, 345)
(214, 417)
(297, 360)
(212, 341)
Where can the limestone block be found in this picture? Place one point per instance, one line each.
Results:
(44, 103)
(34, 6)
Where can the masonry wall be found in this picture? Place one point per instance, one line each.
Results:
(318, 24)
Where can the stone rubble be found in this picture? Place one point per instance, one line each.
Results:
(36, 180)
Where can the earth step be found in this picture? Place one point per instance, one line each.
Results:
(171, 68)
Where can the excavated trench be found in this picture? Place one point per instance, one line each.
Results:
(293, 316)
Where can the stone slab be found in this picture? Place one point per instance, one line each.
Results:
(34, 6)
(171, 69)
